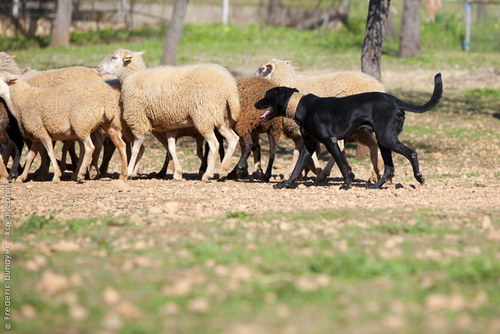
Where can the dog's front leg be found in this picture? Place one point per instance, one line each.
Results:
(334, 149)
(305, 154)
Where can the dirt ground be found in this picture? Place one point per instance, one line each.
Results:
(243, 257)
(458, 151)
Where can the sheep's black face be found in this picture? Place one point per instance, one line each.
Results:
(276, 99)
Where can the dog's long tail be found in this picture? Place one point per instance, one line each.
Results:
(436, 96)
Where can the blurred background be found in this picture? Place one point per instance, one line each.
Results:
(443, 22)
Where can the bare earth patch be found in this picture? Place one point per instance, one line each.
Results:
(165, 256)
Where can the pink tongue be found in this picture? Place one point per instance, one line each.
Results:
(263, 117)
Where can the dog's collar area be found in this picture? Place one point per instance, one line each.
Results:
(293, 102)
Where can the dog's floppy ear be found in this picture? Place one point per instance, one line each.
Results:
(284, 94)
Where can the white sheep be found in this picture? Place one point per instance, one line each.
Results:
(337, 84)
(70, 111)
(163, 99)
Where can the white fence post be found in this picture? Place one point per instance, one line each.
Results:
(225, 11)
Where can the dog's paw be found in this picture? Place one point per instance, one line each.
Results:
(281, 185)
(258, 174)
(266, 179)
(345, 186)
(232, 175)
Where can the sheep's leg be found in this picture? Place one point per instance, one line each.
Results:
(299, 143)
(34, 149)
(97, 138)
(3, 171)
(171, 139)
(16, 159)
(47, 143)
(199, 152)
(256, 151)
(232, 140)
(220, 139)
(15, 135)
(367, 138)
(134, 157)
(163, 171)
(73, 156)
(213, 145)
(87, 156)
(326, 171)
(199, 147)
(43, 171)
(74, 176)
(64, 153)
(241, 168)
(115, 137)
(137, 167)
(109, 149)
(168, 140)
(272, 153)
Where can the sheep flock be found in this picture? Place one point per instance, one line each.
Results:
(119, 103)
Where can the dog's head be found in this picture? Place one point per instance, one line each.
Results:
(276, 99)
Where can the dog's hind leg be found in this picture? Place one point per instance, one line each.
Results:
(388, 168)
(411, 155)
(333, 147)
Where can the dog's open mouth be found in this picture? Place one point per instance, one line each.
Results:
(264, 115)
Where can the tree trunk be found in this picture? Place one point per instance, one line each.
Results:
(409, 45)
(273, 10)
(124, 11)
(62, 23)
(174, 32)
(378, 11)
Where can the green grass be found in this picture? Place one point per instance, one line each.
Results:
(236, 46)
(269, 271)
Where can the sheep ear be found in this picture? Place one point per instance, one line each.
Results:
(12, 56)
(26, 69)
(10, 78)
(140, 53)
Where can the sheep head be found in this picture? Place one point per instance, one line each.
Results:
(276, 70)
(8, 64)
(6, 79)
(119, 60)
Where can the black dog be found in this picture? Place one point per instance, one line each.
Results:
(329, 119)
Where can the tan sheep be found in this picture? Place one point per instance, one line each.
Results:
(69, 111)
(56, 77)
(42, 79)
(163, 99)
(337, 84)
